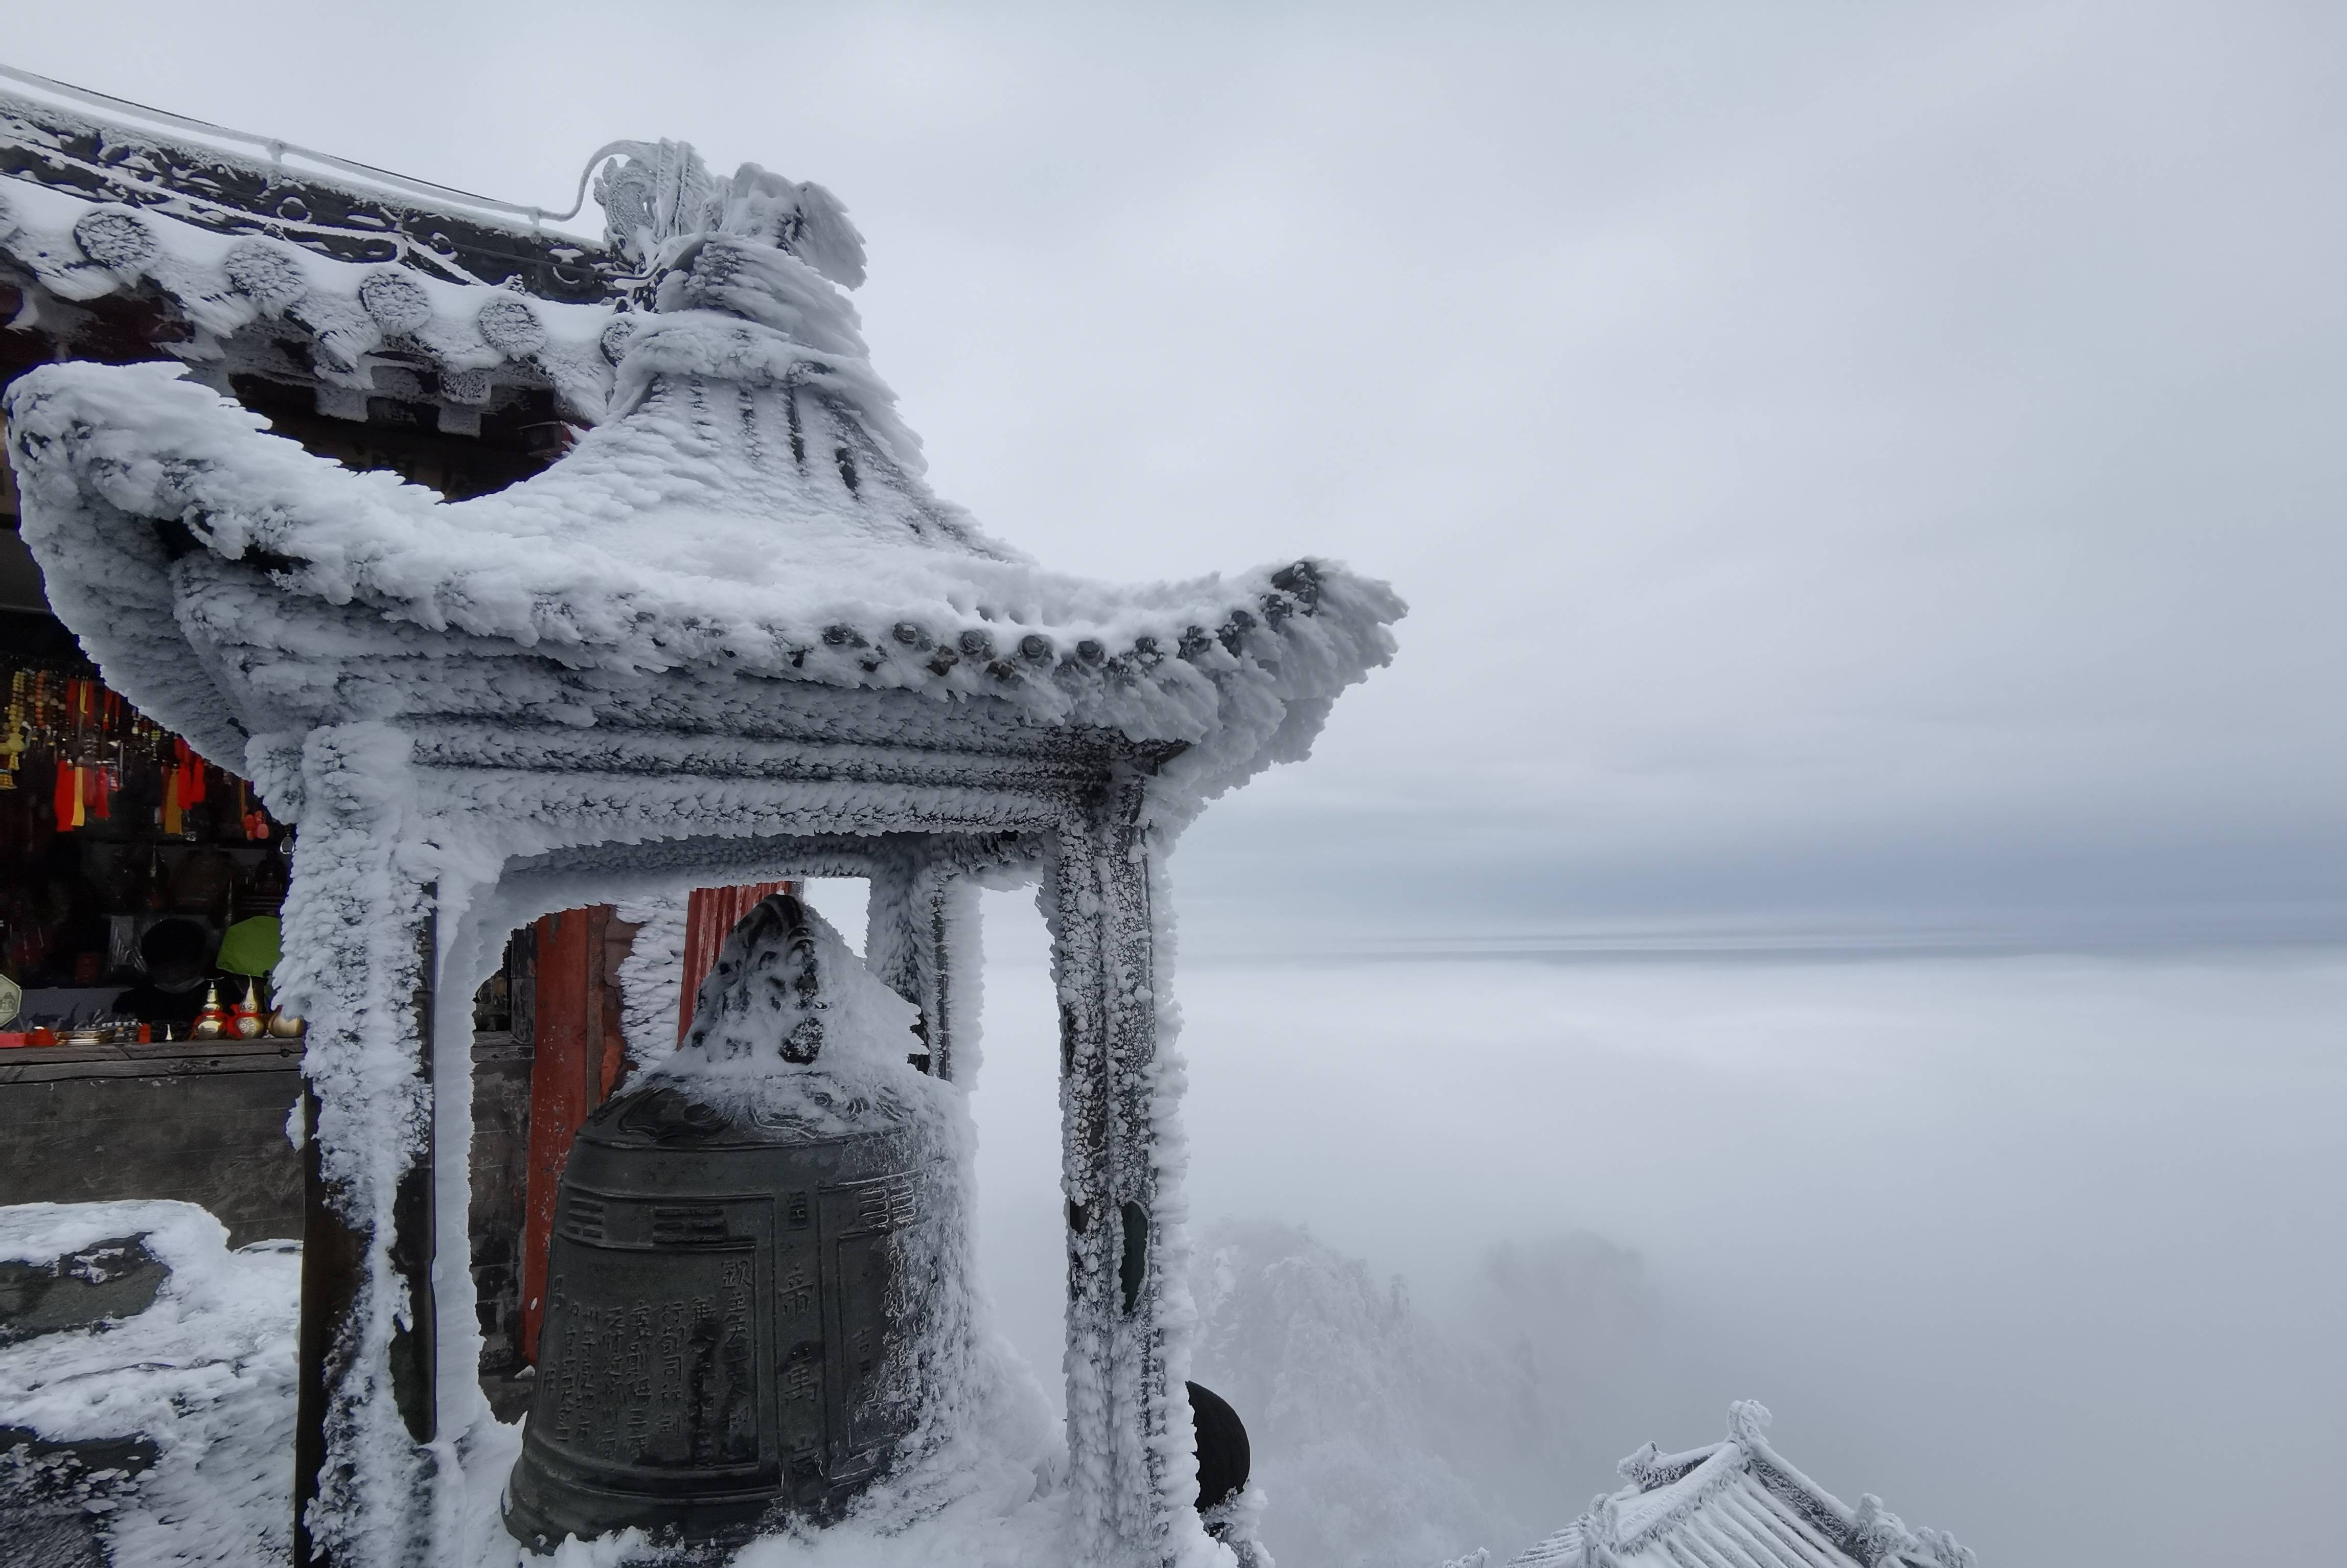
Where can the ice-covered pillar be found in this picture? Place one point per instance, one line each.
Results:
(922, 938)
(1134, 1472)
(358, 965)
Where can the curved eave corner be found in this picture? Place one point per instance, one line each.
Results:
(122, 467)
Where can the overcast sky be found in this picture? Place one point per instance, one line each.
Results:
(1876, 467)
(1842, 460)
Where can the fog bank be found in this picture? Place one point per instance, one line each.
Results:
(2037, 1248)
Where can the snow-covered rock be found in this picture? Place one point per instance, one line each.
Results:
(201, 1378)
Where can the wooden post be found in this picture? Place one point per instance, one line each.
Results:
(360, 941)
(333, 1254)
(921, 938)
(1097, 898)
(415, 1349)
(333, 1257)
(573, 1065)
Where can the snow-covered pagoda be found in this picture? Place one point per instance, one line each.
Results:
(1735, 1504)
(729, 637)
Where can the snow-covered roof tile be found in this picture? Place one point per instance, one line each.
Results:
(111, 150)
(1735, 1504)
(224, 283)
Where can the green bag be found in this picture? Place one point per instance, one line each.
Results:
(250, 946)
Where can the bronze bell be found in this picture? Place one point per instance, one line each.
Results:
(736, 1285)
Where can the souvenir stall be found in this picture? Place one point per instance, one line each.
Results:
(119, 241)
(364, 315)
(729, 637)
(110, 827)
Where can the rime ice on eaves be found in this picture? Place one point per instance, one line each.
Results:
(732, 636)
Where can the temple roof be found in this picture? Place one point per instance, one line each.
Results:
(349, 311)
(749, 509)
(1735, 1504)
(109, 150)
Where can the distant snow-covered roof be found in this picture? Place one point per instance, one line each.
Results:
(751, 510)
(1735, 1504)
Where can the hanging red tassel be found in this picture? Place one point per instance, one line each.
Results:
(191, 774)
(63, 792)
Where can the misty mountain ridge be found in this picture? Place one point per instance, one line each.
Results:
(1392, 1435)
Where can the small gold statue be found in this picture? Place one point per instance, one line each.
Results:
(248, 1021)
(212, 1019)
